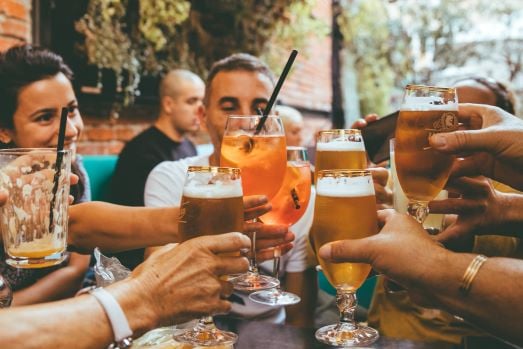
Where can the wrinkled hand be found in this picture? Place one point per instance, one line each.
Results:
(268, 236)
(492, 144)
(179, 283)
(480, 210)
(380, 176)
(403, 250)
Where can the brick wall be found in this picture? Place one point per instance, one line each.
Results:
(15, 22)
(308, 88)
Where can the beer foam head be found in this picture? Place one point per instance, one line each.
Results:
(214, 191)
(413, 103)
(345, 186)
(340, 145)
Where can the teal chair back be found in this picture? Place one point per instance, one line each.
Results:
(364, 293)
(100, 170)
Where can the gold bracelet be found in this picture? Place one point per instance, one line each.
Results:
(471, 273)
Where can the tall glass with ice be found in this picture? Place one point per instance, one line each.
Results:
(34, 219)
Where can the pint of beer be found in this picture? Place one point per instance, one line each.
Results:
(426, 110)
(345, 209)
(212, 202)
(340, 149)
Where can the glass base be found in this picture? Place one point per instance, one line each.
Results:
(36, 263)
(254, 282)
(347, 335)
(274, 297)
(207, 337)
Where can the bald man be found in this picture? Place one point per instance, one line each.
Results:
(181, 94)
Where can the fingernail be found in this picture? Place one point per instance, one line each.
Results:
(325, 251)
(439, 140)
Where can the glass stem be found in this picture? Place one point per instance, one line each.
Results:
(253, 265)
(419, 210)
(276, 268)
(346, 302)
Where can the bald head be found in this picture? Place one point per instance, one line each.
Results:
(181, 94)
(175, 80)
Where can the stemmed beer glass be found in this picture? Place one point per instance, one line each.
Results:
(261, 155)
(212, 203)
(423, 171)
(345, 208)
(340, 149)
(288, 206)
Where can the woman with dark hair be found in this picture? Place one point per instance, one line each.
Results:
(34, 85)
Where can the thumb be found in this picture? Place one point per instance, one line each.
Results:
(230, 242)
(357, 250)
(463, 141)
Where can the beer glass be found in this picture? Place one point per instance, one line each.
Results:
(288, 206)
(261, 156)
(34, 219)
(433, 224)
(345, 208)
(212, 203)
(340, 149)
(423, 171)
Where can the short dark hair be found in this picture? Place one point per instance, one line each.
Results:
(237, 62)
(505, 98)
(21, 66)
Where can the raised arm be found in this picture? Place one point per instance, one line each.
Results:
(159, 292)
(116, 228)
(433, 273)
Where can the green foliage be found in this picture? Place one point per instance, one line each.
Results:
(407, 41)
(165, 34)
(297, 27)
(368, 40)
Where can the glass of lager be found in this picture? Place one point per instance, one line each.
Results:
(212, 203)
(34, 220)
(288, 206)
(340, 149)
(262, 158)
(345, 208)
(422, 171)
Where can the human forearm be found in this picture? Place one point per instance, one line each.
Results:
(513, 215)
(44, 290)
(492, 304)
(75, 323)
(116, 228)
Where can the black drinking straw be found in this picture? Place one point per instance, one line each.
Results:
(276, 91)
(58, 164)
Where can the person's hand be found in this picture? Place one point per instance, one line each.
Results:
(380, 176)
(179, 283)
(255, 206)
(403, 250)
(480, 210)
(268, 236)
(361, 123)
(494, 140)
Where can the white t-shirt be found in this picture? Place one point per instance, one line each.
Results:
(164, 187)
